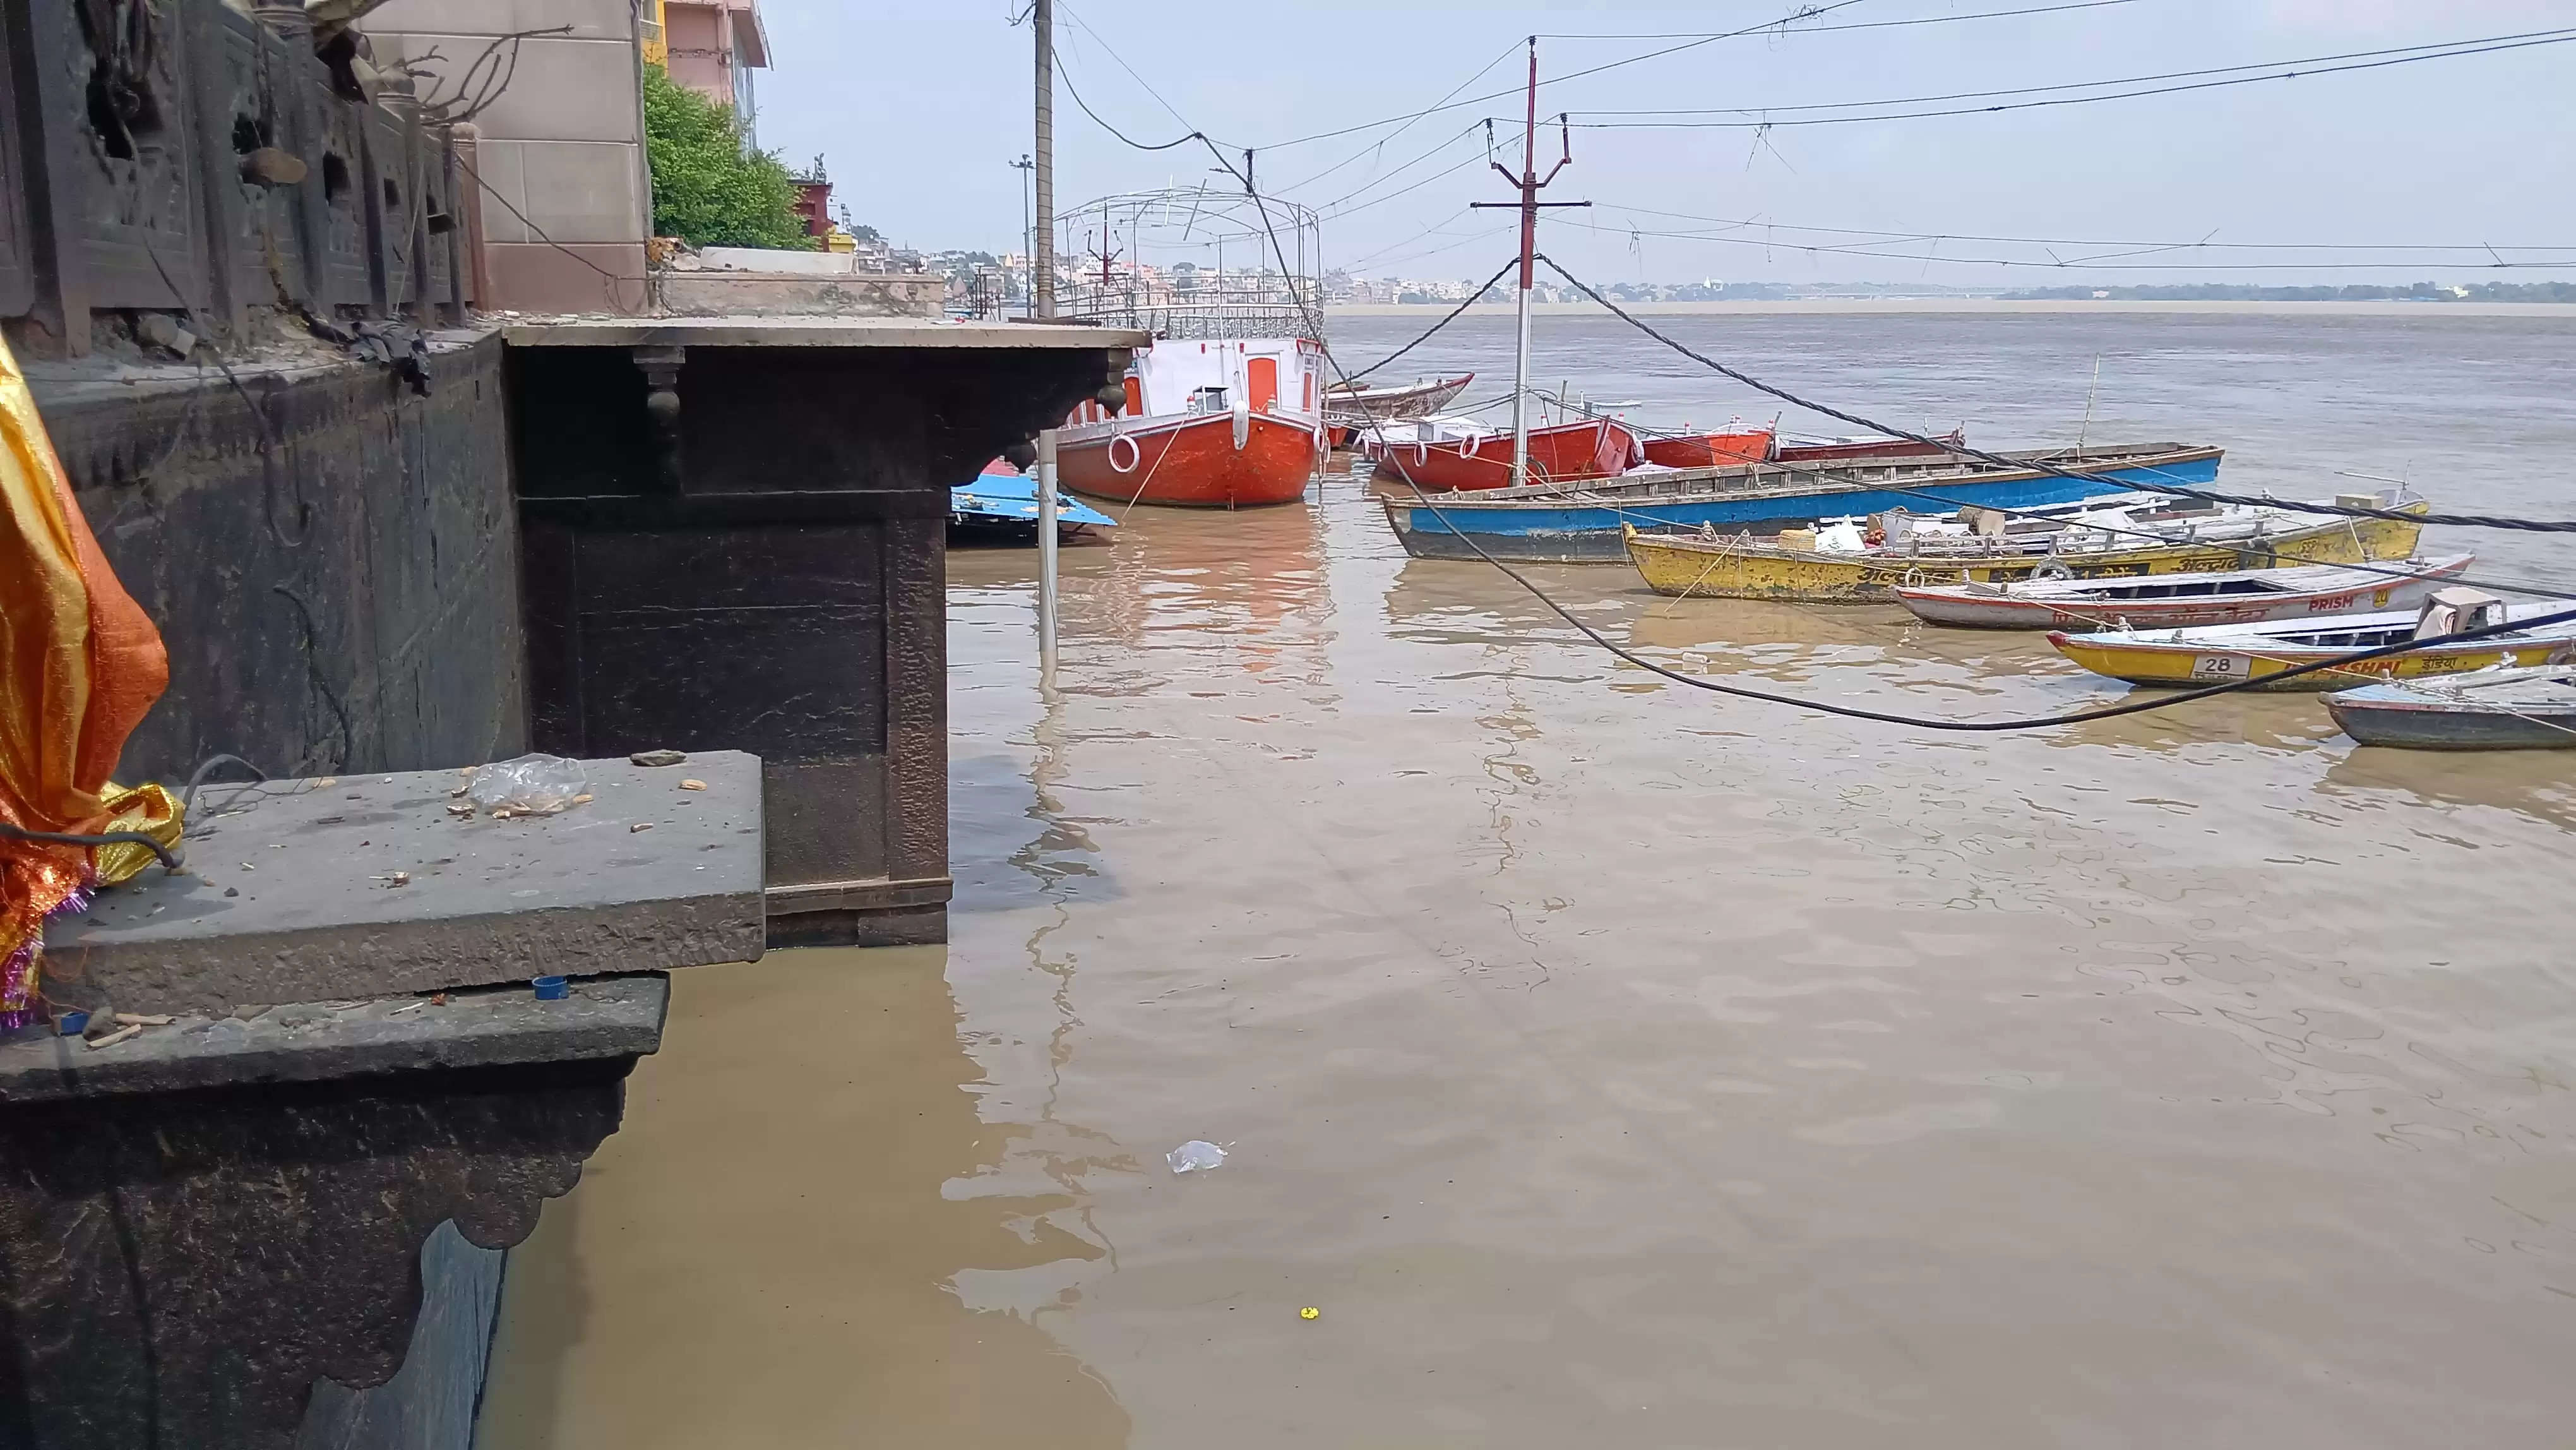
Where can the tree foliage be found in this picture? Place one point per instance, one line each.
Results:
(709, 190)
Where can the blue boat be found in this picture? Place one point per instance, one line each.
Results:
(1003, 508)
(1578, 523)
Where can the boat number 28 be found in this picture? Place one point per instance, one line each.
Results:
(2220, 667)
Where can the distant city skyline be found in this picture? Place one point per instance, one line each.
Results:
(2438, 152)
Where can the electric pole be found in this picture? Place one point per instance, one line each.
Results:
(1530, 184)
(1042, 256)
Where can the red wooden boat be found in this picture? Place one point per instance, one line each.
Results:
(1843, 450)
(1569, 452)
(1710, 450)
(1192, 462)
(1222, 424)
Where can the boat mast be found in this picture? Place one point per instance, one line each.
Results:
(1530, 184)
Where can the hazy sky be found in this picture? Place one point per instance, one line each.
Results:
(920, 107)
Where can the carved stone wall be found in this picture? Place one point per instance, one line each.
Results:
(189, 156)
(178, 1270)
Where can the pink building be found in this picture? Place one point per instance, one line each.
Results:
(714, 47)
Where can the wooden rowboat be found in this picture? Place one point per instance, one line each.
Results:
(1707, 450)
(1789, 567)
(1350, 406)
(2512, 709)
(2242, 596)
(1594, 448)
(2227, 652)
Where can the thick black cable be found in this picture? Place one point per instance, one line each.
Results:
(2465, 521)
(169, 859)
(1067, 77)
(1454, 314)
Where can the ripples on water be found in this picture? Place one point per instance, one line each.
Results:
(1613, 1062)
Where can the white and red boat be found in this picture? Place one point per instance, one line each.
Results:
(1215, 423)
(1226, 409)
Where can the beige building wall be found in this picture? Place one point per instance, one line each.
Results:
(567, 201)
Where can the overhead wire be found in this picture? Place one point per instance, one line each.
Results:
(1846, 25)
(1802, 13)
(2314, 68)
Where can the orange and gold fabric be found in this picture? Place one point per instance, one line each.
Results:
(80, 663)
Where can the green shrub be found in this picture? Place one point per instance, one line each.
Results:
(710, 190)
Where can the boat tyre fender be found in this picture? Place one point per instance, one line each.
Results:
(1135, 455)
(2052, 571)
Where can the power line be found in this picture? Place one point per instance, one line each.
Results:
(1803, 13)
(1383, 141)
(2470, 521)
(2457, 49)
(1850, 25)
(2205, 242)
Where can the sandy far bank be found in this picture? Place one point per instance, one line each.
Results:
(1959, 306)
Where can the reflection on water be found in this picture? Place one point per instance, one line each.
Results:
(1608, 1060)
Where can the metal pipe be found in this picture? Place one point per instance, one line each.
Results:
(1046, 548)
(1042, 260)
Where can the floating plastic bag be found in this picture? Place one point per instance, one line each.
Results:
(536, 785)
(1195, 1156)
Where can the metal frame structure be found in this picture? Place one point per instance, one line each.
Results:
(1232, 287)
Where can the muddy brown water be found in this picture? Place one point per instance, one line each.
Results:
(1614, 1064)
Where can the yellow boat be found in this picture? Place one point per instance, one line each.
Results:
(2221, 653)
(1789, 567)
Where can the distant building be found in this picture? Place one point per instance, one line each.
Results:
(814, 200)
(712, 47)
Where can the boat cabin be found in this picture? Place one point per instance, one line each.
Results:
(1283, 375)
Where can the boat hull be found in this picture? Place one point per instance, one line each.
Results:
(1965, 609)
(1708, 450)
(2190, 665)
(1570, 453)
(2410, 719)
(1575, 531)
(1192, 462)
(1720, 569)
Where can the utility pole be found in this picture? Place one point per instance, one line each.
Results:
(1042, 305)
(1028, 237)
(1042, 256)
(1530, 184)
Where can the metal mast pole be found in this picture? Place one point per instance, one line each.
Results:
(1529, 183)
(1529, 249)
(1043, 258)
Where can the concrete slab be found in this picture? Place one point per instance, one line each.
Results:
(303, 891)
(789, 331)
(313, 1042)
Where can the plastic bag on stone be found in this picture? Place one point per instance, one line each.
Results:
(536, 785)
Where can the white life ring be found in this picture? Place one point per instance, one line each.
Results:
(1135, 455)
(2052, 570)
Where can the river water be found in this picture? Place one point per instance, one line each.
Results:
(1611, 1063)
